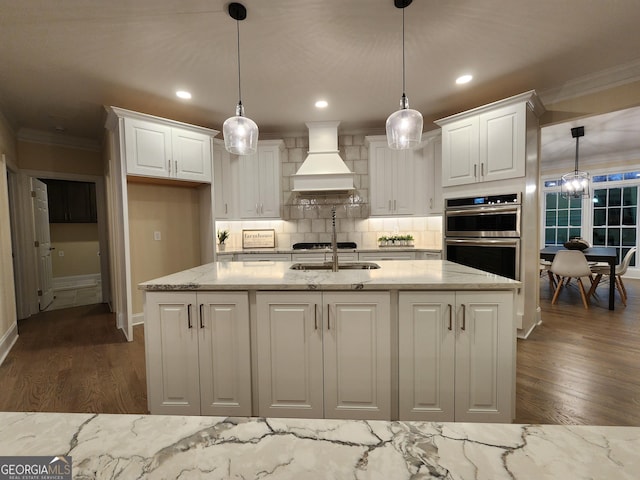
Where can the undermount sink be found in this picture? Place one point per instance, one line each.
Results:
(341, 266)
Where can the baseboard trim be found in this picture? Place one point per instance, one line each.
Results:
(73, 282)
(528, 332)
(7, 341)
(137, 319)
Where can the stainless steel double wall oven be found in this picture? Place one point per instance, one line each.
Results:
(483, 232)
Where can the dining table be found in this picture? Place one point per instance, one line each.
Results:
(607, 255)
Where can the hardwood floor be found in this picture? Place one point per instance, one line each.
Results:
(74, 360)
(578, 367)
(581, 366)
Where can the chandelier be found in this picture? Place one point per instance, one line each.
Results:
(575, 184)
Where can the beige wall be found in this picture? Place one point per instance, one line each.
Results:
(604, 101)
(79, 243)
(55, 158)
(7, 290)
(172, 211)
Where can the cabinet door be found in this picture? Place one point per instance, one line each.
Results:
(148, 148)
(426, 356)
(225, 369)
(485, 349)
(403, 181)
(460, 152)
(357, 355)
(269, 168)
(171, 348)
(191, 155)
(381, 178)
(434, 204)
(502, 143)
(249, 186)
(223, 183)
(289, 352)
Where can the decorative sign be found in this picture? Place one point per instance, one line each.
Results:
(258, 238)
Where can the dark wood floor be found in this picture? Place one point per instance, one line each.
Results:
(582, 366)
(74, 360)
(578, 367)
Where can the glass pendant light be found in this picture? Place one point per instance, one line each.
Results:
(404, 127)
(575, 184)
(240, 133)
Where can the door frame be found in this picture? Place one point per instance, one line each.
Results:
(26, 296)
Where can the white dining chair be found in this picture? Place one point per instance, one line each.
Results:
(568, 264)
(601, 270)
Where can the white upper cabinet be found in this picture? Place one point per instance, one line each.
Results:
(397, 186)
(224, 188)
(429, 195)
(259, 181)
(161, 148)
(487, 143)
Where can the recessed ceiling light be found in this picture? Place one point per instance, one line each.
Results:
(464, 79)
(183, 94)
(322, 104)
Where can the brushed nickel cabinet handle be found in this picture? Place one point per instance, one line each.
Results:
(189, 324)
(464, 317)
(169, 164)
(450, 316)
(328, 317)
(394, 206)
(176, 172)
(225, 208)
(475, 170)
(482, 169)
(315, 316)
(201, 315)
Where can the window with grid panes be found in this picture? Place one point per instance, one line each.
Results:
(615, 212)
(563, 218)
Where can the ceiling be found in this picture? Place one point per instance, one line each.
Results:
(62, 61)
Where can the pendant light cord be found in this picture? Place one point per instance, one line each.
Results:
(238, 38)
(577, 143)
(403, 79)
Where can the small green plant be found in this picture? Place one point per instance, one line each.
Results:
(222, 236)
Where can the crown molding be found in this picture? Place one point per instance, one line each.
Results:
(57, 139)
(593, 83)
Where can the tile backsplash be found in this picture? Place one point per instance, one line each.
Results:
(308, 218)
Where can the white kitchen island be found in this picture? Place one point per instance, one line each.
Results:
(170, 447)
(421, 340)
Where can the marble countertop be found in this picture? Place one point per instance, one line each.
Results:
(169, 447)
(272, 275)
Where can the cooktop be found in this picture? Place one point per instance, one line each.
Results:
(317, 245)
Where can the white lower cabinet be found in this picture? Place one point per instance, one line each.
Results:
(198, 353)
(324, 354)
(456, 356)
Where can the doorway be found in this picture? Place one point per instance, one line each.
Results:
(78, 248)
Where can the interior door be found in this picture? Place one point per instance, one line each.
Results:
(42, 242)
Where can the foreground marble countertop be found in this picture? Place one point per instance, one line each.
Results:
(272, 275)
(170, 447)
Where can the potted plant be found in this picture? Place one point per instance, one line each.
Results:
(222, 237)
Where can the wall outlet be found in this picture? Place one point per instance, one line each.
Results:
(61, 253)
(157, 236)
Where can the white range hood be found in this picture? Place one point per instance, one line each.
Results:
(323, 170)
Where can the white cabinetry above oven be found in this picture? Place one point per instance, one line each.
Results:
(487, 143)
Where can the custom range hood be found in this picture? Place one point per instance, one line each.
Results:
(323, 170)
